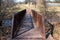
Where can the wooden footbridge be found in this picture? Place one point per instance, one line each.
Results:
(28, 25)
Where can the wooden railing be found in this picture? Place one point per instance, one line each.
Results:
(17, 18)
(39, 21)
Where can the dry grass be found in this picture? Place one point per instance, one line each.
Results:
(57, 31)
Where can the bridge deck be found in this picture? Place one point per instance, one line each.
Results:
(27, 30)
